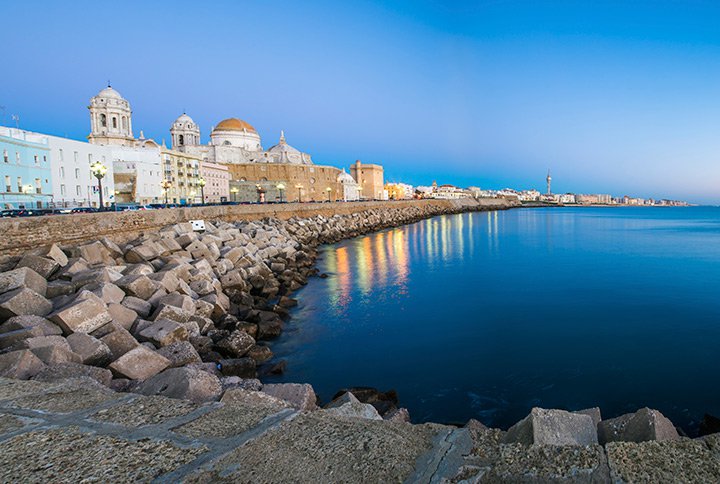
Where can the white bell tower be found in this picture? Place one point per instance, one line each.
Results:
(110, 119)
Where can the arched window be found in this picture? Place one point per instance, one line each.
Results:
(181, 140)
(226, 143)
(114, 122)
(103, 121)
(124, 123)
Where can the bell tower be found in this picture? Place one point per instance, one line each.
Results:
(184, 132)
(110, 119)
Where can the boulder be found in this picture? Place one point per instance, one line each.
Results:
(237, 344)
(23, 301)
(42, 341)
(644, 425)
(83, 315)
(95, 253)
(185, 383)
(552, 427)
(252, 384)
(59, 287)
(56, 354)
(23, 277)
(709, 425)
(108, 292)
(122, 315)
(347, 405)
(594, 414)
(383, 402)
(141, 307)
(139, 363)
(173, 313)
(402, 415)
(63, 371)
(139, 286)
(299, 395)
(241, 367)
(30, 321)
(164, 332)
(12, 339)
(119, 341)
(180, 354)
(21, 365)
(55, 253)
(255, 399)
(260, 353)
(269, 329)
(91, 350)
(43, 266)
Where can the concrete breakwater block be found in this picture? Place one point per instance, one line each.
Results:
(644, 425)
(553, 427)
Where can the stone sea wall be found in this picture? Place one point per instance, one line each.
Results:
(21, 234)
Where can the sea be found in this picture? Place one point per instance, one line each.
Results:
(485, 315)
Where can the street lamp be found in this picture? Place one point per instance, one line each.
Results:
(299, 187)
(99, 170)
(328, 190)
(166, 184)
(281, 187)
(234, 191)
(260, 193)
(201, 182)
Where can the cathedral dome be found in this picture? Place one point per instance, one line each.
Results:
(284, 153)
(109, 92)
(184, 118)
(234, 124)
(345, 177)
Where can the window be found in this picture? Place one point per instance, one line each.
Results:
(181, 140)
(19, 183)
(62, 190)
(62, 172)
(8, 185)
(78, 190)
(90, 158)
(114, 122)
(103, 121)
(226, 143)
(61, 154)
(17, 157)
(77, 173)
(124, 123)
(44, 158)
(6, 158)
(36, 158)
(75, 156)
(38, 185)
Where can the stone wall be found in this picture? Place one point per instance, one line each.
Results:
(23, 234)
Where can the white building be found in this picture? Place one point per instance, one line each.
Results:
(351, 188)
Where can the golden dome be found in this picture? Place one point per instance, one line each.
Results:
(234, 124)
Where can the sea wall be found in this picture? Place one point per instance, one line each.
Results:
(22, 234)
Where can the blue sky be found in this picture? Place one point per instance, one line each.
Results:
(611, 97)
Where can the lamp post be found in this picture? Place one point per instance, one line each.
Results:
(99, 170)
(166, 184)
(328, 190)
(260, 193)
(299, 187)
(234, 191)
(201, 182)
(281, 187)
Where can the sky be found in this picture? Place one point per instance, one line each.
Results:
(611, 97)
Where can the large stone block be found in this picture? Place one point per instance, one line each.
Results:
(11, 339)
(180, 354)
(95, 253)
(21, 365)
(241, 367)
(63, 371)
(53, 355)
(300, 396)
(41, 265)
(185, 383)
(552, 427)
(91, 350)
(164, 332)
(23, 301)
(108, 292)
(30, 321)
(347, 405)
(119, 341)
(237, 344)
(82, 316)
(644, 425)
(137, 285)
(139, 363)
(141, 307)
(173, 313)
(53, 252)
(167, 279)
(122, 315)
(21, 278)
(59, 287)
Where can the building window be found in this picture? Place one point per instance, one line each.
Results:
(75, 156)
(61, 154)
(114, 122)
(44, 159)
(124, 123)
(103, 121)
(181, 140)
(6, 158)
(78, 190)
(8, 186)
(90, 158)
(38, 185)
(17, 157)
(19, 183)
(62, 190)
(62, 172)
(36, 158)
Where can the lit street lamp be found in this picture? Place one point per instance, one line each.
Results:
(166, 184)
(260, 193)
(281, 187)
(201, 182)
(328, 190)
(234, 191)
(299, 187)
(99, 170)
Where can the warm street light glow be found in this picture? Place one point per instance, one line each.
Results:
(201, 182)
(299, 187)
(281, 187)
(99, 170)
(166, 184)
(234, 191)
(328, 190)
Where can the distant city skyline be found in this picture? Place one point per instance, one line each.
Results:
(611, 98)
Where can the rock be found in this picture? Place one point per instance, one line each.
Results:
(473, 424)
(53, 355)
(594, 414)
(23, 277)
(233, 396)
(122, 315)
(403, 415)
(552, 427)
(300, 396)
(139, 363)
(138, 286)
(43, 266)
(23, 301)
(709, 425)
(13, 339)
(184, 383)
(164, 332)
(55, 253)
(269, 329)
(108, 292)
(383, 402)
(142, 308)
(260, 353)
(252, 384)
(63, 371)
(237, 344)
(172, 313)
(180, 354)
(644, 425)
(42, 341)
(277, 368)
(119, 341)
(21, 365)
(82, 316)
(347, 405)
(91, 350)
(95, 253)
(59, 287)
(242, 367)
(30, 321)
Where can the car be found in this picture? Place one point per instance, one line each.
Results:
(84, 210)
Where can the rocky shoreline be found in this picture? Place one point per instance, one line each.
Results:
(185, 314)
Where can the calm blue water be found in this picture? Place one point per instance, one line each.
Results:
(486, 315)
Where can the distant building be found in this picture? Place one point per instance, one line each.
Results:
(567, 198)
(350, 188)
(370, 179)
(548, 180)
(181, 172)
(399, 191)
(25, 169)
(450, 192)
(217, 183)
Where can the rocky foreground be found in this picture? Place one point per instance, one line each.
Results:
(143, 361)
